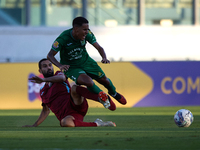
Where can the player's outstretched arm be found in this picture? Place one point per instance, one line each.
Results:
(51, 58)
(102, 53)
(36, 79)
(57, 78)
(43, 115)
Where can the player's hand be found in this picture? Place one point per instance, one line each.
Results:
(64, 68)
(36, 79)
(105, 61)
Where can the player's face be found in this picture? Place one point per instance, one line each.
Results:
(46, 69)
(81, 32)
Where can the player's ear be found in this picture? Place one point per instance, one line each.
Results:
(76, 28)
(40, 71)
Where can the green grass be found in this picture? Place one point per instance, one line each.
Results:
(137, 128)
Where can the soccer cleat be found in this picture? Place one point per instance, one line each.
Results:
(103, 98)
(100, 123)
(112, 104)
(120, 98)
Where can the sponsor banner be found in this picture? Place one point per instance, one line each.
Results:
(14, 86)
(17, 92)
(174, 83)
(143, 84)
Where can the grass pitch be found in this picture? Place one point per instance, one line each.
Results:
(137, 128)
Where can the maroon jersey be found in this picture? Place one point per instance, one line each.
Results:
(57, 97)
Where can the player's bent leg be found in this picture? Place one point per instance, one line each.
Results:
(77, 98)
(84, 79)
(112, 90)
(79, 123)
(68, 121)
(104, 81)
(84, 92)
(101, 97)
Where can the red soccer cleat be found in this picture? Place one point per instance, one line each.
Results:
(112, 104)
(106, 101)
(103, 98)
(120, 98)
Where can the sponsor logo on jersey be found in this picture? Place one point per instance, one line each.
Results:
(100, 73)
(69, 44)
(34, 88)
(55, 44)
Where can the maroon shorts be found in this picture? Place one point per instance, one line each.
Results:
(77, 111)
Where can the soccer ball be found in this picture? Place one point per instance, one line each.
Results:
(183, 118)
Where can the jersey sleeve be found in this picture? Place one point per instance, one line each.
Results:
(90, 37)
(57, 44)
(58, 72)
(66, 81)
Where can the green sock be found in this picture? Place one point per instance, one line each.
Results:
(94, 89)
(111, 88)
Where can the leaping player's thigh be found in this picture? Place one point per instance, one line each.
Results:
(93, 70)
(73, 73)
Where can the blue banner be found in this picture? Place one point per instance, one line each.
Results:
(175, 83)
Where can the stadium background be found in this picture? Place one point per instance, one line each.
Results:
(153, 46)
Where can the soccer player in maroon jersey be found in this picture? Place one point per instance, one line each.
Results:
(69, 104)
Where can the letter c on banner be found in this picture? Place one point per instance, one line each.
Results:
(166, 91)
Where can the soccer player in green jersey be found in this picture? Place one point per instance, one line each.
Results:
(75, 61)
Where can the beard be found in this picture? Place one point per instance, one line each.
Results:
(49, 73)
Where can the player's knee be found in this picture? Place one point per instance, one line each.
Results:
(104, 81)
(68, 125)
(67, 122)
(73, 89)
(88, 83)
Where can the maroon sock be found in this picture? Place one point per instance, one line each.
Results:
(79, 123)
(86, 93)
